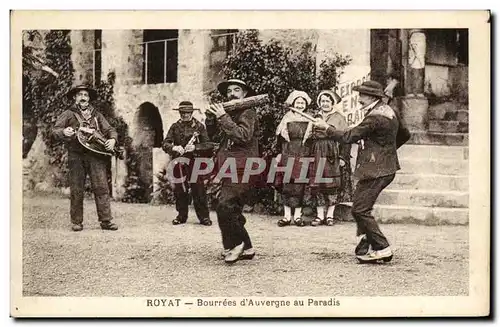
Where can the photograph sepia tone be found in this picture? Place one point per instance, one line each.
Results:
(250, 164)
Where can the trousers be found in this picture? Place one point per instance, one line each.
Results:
(365, 196)
(80, 165)
(199, 196)
(230, 215)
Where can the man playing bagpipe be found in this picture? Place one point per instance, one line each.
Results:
(188, 138)
(90, 140)
(239, 143)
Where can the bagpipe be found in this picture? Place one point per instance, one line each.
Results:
(93, 140)
(245, 103)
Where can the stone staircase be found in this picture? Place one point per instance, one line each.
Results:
(432, 187)
(448, 124)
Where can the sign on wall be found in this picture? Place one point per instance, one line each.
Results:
(349, 105)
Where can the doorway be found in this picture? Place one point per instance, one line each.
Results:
(149, 135)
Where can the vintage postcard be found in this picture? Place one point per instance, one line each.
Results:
(250, 164)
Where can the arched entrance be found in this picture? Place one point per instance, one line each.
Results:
(149, 135)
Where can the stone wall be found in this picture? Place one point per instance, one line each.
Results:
(122, 53)
(437, 80)
(199, 64)
(82, 55)
(356, 44)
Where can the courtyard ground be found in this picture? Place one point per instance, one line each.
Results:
(148, 256)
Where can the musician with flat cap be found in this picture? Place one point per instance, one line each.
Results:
(239, 142)
(380, 134)
(82, 160)
(188, 138)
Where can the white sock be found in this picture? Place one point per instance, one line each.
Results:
(288, 213)
(321, 212)
(297, 213)
(330, 212)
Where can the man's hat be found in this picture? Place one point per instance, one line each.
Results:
(222, 87)
(186, 106)
(370, 88)
(82, 87)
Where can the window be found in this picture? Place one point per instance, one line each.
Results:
(224, 40)
(447, 47)
(160, 50)
(97, 69)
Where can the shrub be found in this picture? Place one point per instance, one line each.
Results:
(44, 97)
(277, 70)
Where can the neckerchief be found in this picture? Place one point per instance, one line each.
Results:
(86, 113)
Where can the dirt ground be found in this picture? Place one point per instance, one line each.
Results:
(148, 256)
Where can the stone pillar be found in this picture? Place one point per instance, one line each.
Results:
(122, 53)
(416, 58)
(160, 162)
(82, 56)
(379, 47)
(415, 105)
(119, 175)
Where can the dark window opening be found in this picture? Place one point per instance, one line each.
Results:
(230, 40)
(441, 47)
(463, 47)
(224, 40)
(160, 48)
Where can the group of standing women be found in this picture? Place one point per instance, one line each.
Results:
(326, 158)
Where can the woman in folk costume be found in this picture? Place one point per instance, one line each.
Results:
(331, 160)
(291, 134)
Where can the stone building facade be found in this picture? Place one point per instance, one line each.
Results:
(193, 64)
(157, 69)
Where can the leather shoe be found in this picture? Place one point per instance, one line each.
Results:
(247, 254)
(363, 246)
(384, 255)
(206, 222)
(109, 226)
(179, 220)
(234, 254)
(77, 227)
(224, 253)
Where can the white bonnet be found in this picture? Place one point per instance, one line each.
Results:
(297, 94)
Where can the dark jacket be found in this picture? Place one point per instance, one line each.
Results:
(68, 119)
(378, 133)
(181, 132)
(240, 137)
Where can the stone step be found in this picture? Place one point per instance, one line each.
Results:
(434, 166)
(399, 214)
(448, 126)
(418, 137)
(425, 198)
(462, 116)
(448, 111)
(421, 215)
(430, 182)
(413, 151)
